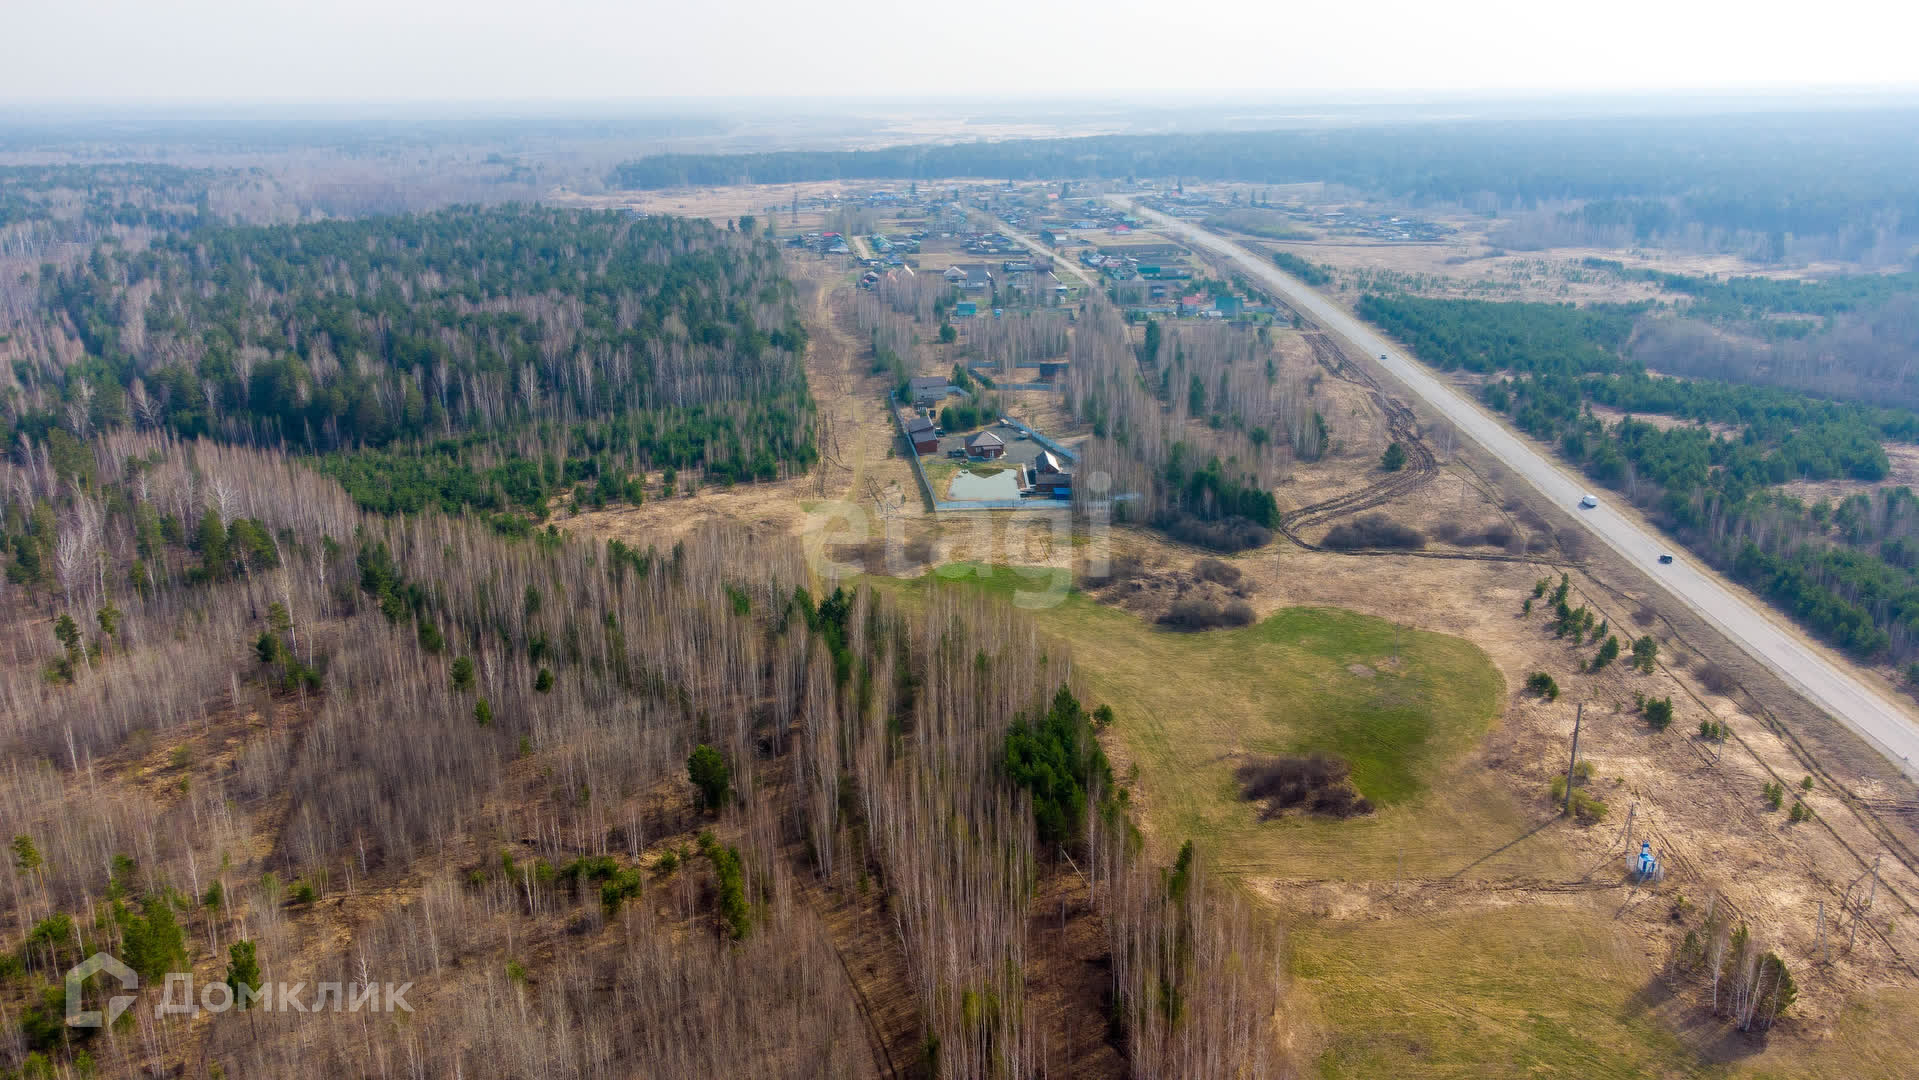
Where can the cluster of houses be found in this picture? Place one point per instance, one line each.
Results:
(1031, 277)
(1163, 300)
(900, 244)
(1156, 262)
(826, 243)
(989, 243)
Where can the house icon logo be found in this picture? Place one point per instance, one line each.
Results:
(117, 1004)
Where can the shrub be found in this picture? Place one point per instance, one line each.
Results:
(1607, 653)
(1659, 713)
(1645, 652)
(1394, 459)
(1713, 730)
(1192, 613)
(1586, 807)
(1374, 531)
(1226, 534)
(736, 917)
(616, 890)
(1715, 678)
(1499, 535)
(1774, 794)
(1800, 812)
(1543, 684)
(1318, 784)
(1217, 572)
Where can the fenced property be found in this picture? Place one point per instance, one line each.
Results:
(941, 506)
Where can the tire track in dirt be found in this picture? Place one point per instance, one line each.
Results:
(1420, 469)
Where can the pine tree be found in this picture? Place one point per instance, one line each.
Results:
(243, 972)
(709, 773)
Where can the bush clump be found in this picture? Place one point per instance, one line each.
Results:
(1220, 573)
(1586, 806)
(1499, 535)
(1715, 678)
(1544, 685)
(1659, 713)
(1192, 613)
(1225, 535)
(1374, 531)
(1316, 783)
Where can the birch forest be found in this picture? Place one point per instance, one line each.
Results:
(299, 697)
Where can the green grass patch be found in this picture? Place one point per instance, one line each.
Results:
(1401, 707)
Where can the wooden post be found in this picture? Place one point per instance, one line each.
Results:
(1577, 716)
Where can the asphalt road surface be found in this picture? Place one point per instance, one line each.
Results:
(1825, 680)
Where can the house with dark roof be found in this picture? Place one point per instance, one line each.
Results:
(1058, 485)
(920, 432)
(927, 389)
(972, 277)
(984, 445)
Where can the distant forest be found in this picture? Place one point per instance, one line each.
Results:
(468, 342)
(1849, 571)
(1792, 174)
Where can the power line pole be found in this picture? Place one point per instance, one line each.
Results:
(1577, 717)
(1824, 953)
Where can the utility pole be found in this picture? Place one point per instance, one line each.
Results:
(1873, 893)
(1824, 953)
(1577, 716)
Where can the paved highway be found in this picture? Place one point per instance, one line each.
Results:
(1825, 679)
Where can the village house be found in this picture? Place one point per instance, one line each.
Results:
(920, 432)
(984, 445)
(972, 277)
(927, 389)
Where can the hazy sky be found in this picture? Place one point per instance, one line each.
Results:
(496, 50)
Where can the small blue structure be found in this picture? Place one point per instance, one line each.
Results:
(1647, 867)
